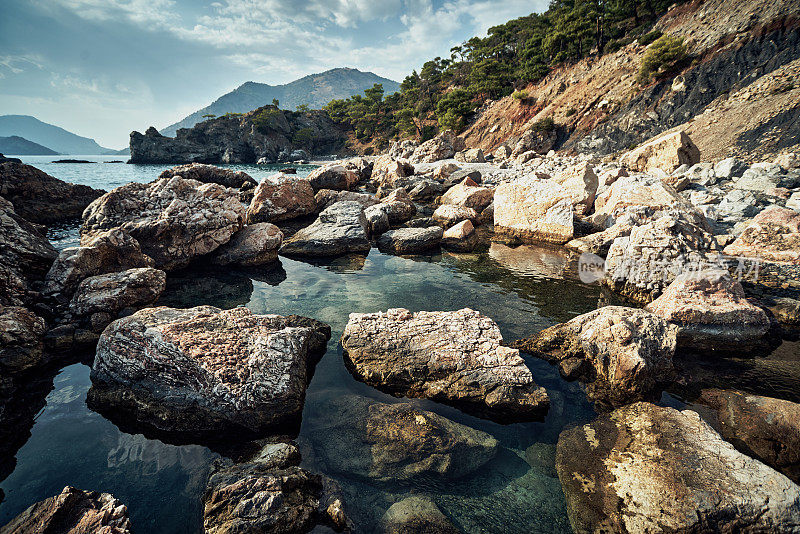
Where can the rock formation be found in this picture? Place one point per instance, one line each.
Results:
(340, 229)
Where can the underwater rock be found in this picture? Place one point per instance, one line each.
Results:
(340, 229)
(416, 515)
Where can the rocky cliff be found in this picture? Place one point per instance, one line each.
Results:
(266, 134)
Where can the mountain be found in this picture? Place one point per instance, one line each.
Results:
(56, 138)
(19, 146)
(314, 90)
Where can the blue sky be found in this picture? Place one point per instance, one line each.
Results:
(102, 68)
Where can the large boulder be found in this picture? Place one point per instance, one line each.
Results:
(204, 373)
(40, 198)
(21, 333)
(281, 197)
(665, 152)
(443, 146)
(255, 244)
(581, 183)
(460, 237)
(335, 177)
(416, 515)
(340, 229)
(107, 294)
(450, 357)
(645, 468)
(711, 312)
(472, 155)
(398, 206)
(621, 354)
(761, 427)
(73, 511)
(637, 191)
(209, 174)
(468, 194)
(410, 240)
(328, 197)
(534, 140)
(532, 209)
(175, 220)
(390, 172)
(395, 442)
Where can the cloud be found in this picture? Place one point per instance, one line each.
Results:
(146, 13)
(12, 64)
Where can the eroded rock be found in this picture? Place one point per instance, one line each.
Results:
(255, 244)
(209, 174)
(410, 240)
(340, 229)
(280, 198)
(533, 209)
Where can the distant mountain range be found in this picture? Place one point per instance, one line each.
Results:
(314, 91)
(19, 146)
(47, 135)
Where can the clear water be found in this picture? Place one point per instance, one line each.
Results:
(523, 289)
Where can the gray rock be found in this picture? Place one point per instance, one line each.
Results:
(377, 218)
(335, 177)
(340, 229)
(110, 293)
(416, 515)
(21, 333)
(255, 244)
(328, 197)
(729, 168)
(757, 179)
(738, 205)
(209, 174)
(410, 240)
(399, 207)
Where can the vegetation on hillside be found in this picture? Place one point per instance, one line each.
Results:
(446, 92)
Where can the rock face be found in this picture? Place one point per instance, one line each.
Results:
(644, 468)
(711, 312)
(204, 373)
(468, 194)
(410, 240)
(335, 177)
(255, 244)
(416, 515)
(73, 511)
(450, 357)
(532, 209)
(340, 229)
(174, 220)
(109, 293)
(281, 197)
(762, 427)
(667, 152)
(396, 442)
(40, 198)
(21, 333)
(209, 174)
(621, 354)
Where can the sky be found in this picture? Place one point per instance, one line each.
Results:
(102, 68)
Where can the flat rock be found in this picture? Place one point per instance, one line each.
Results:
(645, 468)
(533, 210)
(255, 244)
(340, 229)
(621, 354)
(410, 240)
(210, 174)
(281, 197)
(450, 357)
(204, 373)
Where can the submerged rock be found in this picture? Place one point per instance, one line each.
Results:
(340, 229)
(253, 245)
(451, 357)
(532, 209)
(410, 240)
(209, 174)
(280, 198)
(416, 515)
(644, 468)
(204, 373)
(73, 511)
(621, 354)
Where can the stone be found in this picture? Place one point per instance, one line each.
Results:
(416, 515)
(390, 172)
(794, 201)
(410, 240)
(335, 177)
(665, 152)
(772, 235)
(581, 184)
(502, 152)
(761, 427)
(110, 293)
(646, 468)
(532, 209)
(621, 354)
(399, 207)
(356, 436)
(711, 312)
(472, 155)
(460, 237)
(327, 197)
(444, 170)
(450, 357)
(361, 166)
(174, 220)
(738, 205)
(789, 160)
(281, 198)
(402, 149)
(757, 179)
(729, 168)
(340, 229)
(205, 374)
(644, 191)
(73, 511)
(209, 174)
(467, 194)
(255, 244)
(21, 333)
(377, 218)
(538, 141)
(458, 176)
(449, 214)
(425, 189)
(40, 198)
(443, 146)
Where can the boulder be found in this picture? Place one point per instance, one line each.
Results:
(355, 436)
(788, 160)
(403, 149)
(621, 354)
(468, 194)
(738, 205)
(450, 357)
(646, 468)
(40, 198)
(444, 170)
(711, 312)
(448, 214)
(443, 146)
(773, 235)
(729, 168)
(209, 174)
(410, 240)
(390, 172)
(205, 374)
(335, 177)
(473, 155)
(255, 244)
(757, 179)
(460, 237)
(328, 197)
(581, 183)
(532, 209)
(644, 191)
(460, 175)
(340, 229)
(425, 189)
(398, 206)
(377, 218)
(73, 511)
(175, 220)
(21, 333)
(280, 198)
(361, 166)
(107, 294)
(666, 152)
(761, 427)
(416, 515)
(538, 141)
(502, 152)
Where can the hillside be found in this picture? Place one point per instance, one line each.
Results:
(48, 135)
(314, 91)
(19, 146)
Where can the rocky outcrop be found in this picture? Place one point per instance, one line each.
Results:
(396, 442)
(73, 511)
(280, 198)
(410, 240)
(209, 174)
(762, 427)
(255, 244)
(621, 354)
(204, 373)
(40, 198)
(450, 357)
(532, 209)
(340, 229)
(335, 177)
(174, 219)
(416, 515)
(644, 468)
(21, 333)
(666, 152)
(711, 312)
